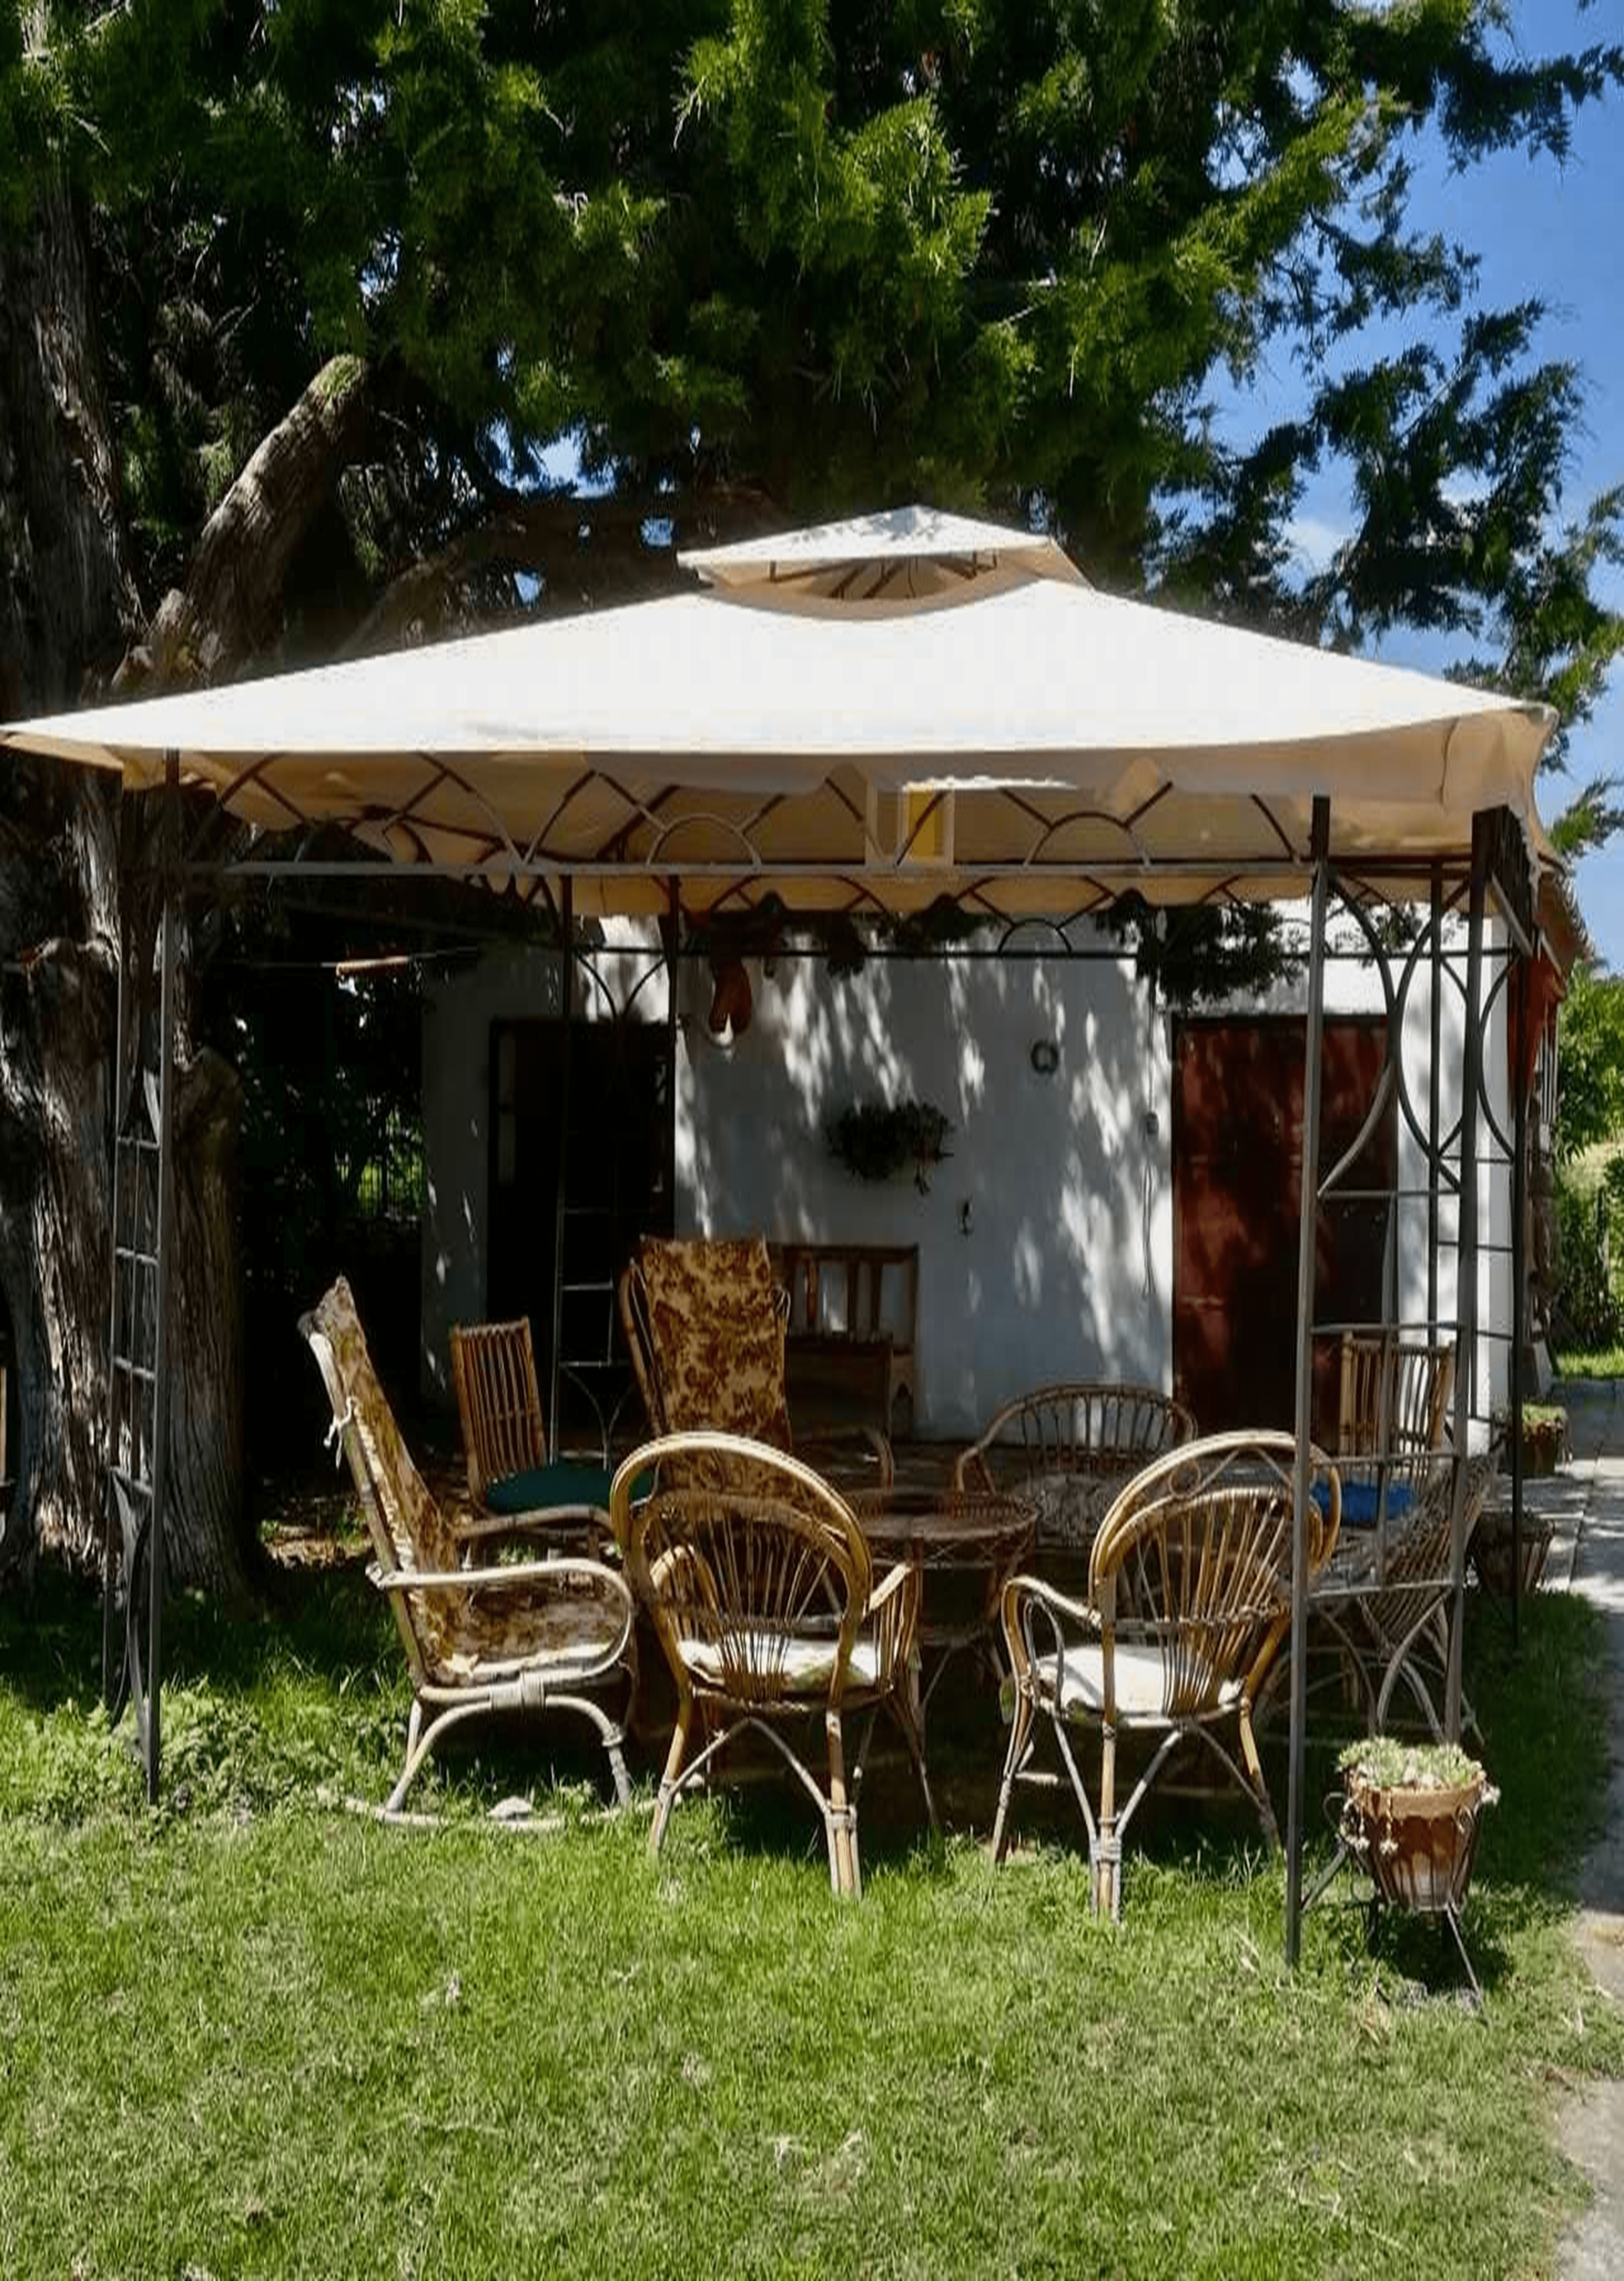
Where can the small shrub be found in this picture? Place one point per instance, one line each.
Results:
(1587, 1313)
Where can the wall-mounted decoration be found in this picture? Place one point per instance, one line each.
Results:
(1045, 1056)
(875, 1139)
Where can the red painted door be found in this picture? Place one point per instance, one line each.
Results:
(1237, 1169)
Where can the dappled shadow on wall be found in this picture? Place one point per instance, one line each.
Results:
(1043, 1251)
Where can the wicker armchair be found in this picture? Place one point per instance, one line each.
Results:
(531, 1636)
(758, 1582)
(1190, 1598)
(704, 1323)
(1384, 1599)
(1067, 1450)
(510, 1480)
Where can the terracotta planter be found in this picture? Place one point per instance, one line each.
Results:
(1417, 1845)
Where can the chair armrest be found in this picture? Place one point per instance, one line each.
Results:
(970, 1471)
(554, 1570)
(894, 1611)
(1025, 1598)
(540, 1580)
(551, 1520)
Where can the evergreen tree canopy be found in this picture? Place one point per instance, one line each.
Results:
(764, 262)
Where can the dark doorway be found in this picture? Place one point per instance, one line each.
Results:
(617, 1144)
(1237, 1168)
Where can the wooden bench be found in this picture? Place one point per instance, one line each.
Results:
(849, 1346)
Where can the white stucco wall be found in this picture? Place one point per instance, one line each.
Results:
(1066, 1270)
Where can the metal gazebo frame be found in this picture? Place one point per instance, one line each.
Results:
(1496, 873)
(829, 728)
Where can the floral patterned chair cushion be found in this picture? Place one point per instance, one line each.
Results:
(497, 1624)
(718, 1333)
(407, 1526)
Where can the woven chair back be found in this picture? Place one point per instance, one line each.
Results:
(405, 1523)
(704, 1323)
(1420, 1547)
(493, 1369)
(1098, 1429)
(753, 1569)
(1193, 1558)
(1394, 1401)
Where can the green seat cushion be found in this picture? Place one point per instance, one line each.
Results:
(549, 1489)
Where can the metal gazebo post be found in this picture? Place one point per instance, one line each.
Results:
(1465, 1259)
(138, 1380)
(1307, 1253)
(1521, 1009)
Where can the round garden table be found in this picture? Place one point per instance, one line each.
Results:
(966, 1544)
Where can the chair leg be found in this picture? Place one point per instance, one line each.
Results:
(420, 1740)
(842, 1822)
(1106, 1864)
(905, 1710)
(1254, 1768)
(673, 1770)
(1015, 1757)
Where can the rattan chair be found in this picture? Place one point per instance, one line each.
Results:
(504, 1444)
(758, 1582)
(1066, 1450)
(705, 1324)
(1189, 1599)
(493, 1369)
(1385, 1600)
(1394, 1402)
(529, 1636)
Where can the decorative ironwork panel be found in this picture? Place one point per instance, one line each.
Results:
(137, 1417)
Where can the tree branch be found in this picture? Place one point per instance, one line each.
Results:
(206, 629)
(542, 533)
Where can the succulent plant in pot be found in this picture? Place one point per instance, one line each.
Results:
(1410, 1817)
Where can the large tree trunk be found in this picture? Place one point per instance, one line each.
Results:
(68, 612)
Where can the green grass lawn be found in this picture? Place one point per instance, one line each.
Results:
(249, 2035)
(1590, 1361)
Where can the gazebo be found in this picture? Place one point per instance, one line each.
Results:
(861, 720)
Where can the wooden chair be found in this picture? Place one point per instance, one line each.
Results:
(704, 1322)
(1189, 1600)
(529, 1636)
(1394, 1405)
(493, 1369)
(505, 1443)
(1067, 1450)
(758, 1582)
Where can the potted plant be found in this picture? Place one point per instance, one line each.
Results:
(875, 1139)
(1492, 1551)
(1410, 1817)
(1544, 1437)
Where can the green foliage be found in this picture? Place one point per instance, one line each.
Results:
(829, 257)
(1590, 1255)
(1590, 1062)
(1207, 952)
(1573, 1362)
(1389, 1762)
(875, 1139)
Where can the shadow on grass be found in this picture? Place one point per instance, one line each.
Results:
(322, 1657)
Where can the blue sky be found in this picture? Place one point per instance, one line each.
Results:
(1554, 232)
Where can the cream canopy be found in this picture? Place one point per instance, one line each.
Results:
(866, 715)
